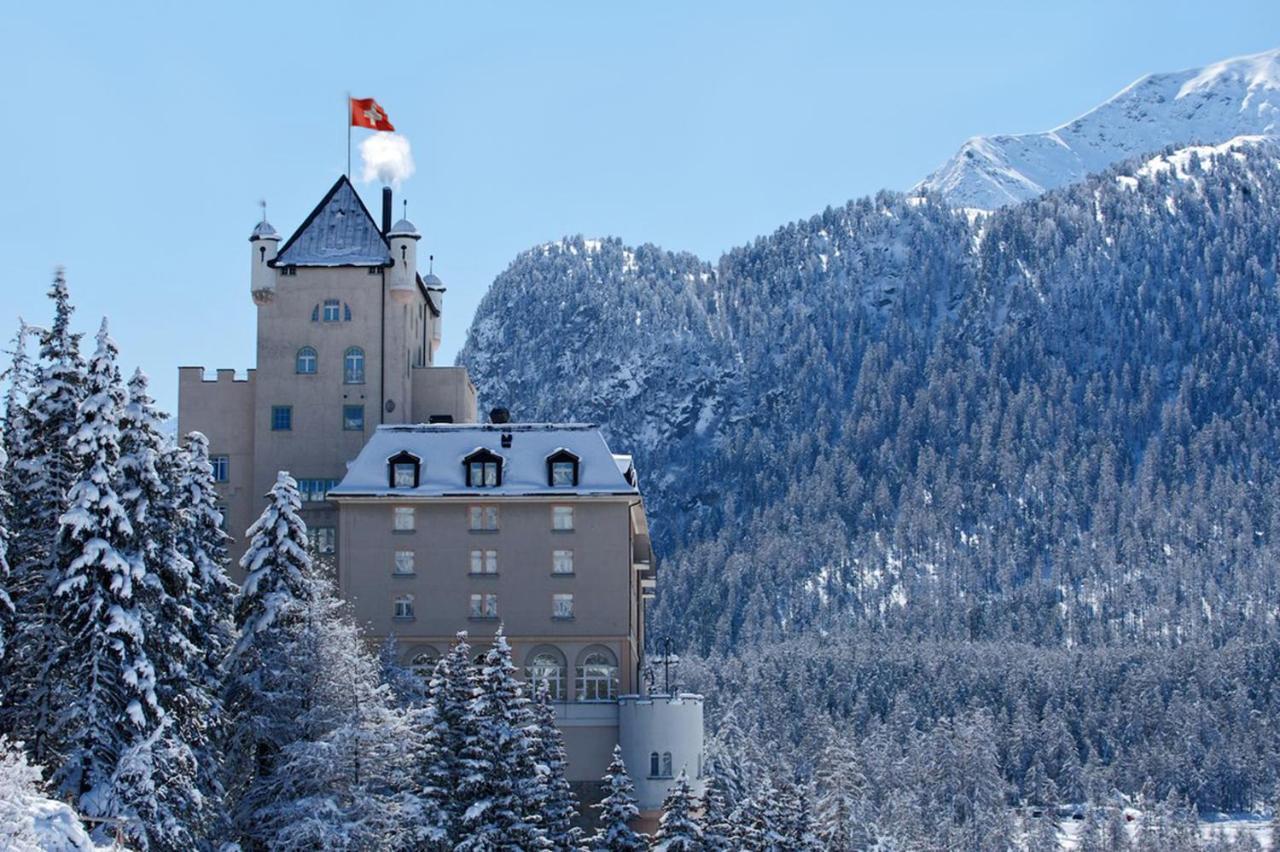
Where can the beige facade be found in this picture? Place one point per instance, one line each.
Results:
(346, 397)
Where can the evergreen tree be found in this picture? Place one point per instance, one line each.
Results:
(263, 684)
(717, 825)
(452, 725)
(499, 782)
(44, 467)
(678, 830)
(406, 685)
(555, 802)
(102, 682)
(6, 603)
(617, 810)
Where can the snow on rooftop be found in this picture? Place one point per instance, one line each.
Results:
(442, 448)
(339, 232)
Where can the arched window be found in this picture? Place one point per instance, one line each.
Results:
(315, 314)
(655, 766)
(483, 469)
(353, 366)
(306, 361)
(597, 677)
(666, 764)
(546, 666)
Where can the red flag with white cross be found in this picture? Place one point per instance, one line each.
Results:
(365, 112)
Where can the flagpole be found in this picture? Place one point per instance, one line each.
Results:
(348, 113)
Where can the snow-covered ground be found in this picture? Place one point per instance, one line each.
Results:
(1229, 826)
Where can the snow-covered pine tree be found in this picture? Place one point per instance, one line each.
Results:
(617, 810)
(29, 820)
(203, 542)
(162, 769)
(264, 688)
(841, 805)
(717, 826)
(43, 468)
(344, 780)
(102, 683)
(6, 603)
(13, 438)
(406, 685)
(499, 781)
(449, 696)
(555, 800)
(678, 830)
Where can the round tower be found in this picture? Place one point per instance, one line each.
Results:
(263, 244)
(659, 736)
(403, 239)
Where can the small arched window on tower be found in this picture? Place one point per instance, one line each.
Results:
(353, 366)
(655, 766)
(306, 361)
(483, 469)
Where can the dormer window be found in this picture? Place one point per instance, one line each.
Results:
(483, 469)
(404, 470)
(562, 469)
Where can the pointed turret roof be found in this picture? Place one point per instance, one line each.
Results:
(339, 232)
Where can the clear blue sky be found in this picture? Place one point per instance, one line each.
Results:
(139, 142)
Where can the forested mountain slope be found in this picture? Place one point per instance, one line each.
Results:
(1056, 424)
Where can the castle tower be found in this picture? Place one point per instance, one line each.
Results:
(347, 330)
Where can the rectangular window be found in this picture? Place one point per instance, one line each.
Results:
(403, 518)
(353, 418)
(484, 562)
(323, 540)
(484, 606)
(315, 490)
(562, 606)
(404, 606)
(484, 474)
(404, 561)
(221, 468)
(562, 474)
(562, 517)
(562, 561)
(483, 517)
(332, 310)
(281, 418)
(403, 474)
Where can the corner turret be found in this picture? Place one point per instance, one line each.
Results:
(264, 242)
(403, 240)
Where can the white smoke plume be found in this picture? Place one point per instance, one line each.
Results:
(386, 158)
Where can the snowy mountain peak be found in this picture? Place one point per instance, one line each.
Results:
(1236, 97)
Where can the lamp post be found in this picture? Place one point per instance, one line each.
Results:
(664, 645)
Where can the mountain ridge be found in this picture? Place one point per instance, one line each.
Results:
(1208, 104)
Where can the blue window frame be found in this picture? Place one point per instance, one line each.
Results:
(281, 418)
(353, 366)
(221, 468)
(331, 310)
(315, 490)
(353, 418)
(306, 361)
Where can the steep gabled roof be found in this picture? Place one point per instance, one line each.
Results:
(339, 232)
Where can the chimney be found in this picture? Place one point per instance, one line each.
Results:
(386, 210)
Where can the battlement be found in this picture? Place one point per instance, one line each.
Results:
(200, 375)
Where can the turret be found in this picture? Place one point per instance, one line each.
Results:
(403, 239)
(263, 244)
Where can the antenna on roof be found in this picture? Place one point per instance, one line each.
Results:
(263, 204)
(405, 202)
(431, 263)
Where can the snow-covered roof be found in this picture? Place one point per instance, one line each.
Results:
(339, 232)
(442, 447)
(264, 231)
(403, 228)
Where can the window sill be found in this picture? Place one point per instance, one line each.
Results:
(404, 618)
(562, 532)
(404, 574)
(482, 532)
(562, 574)
(660, 777)
(482, 574)
(562, 618)
(403, 532)
(482, 618)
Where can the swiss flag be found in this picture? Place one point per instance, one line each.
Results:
(365, 112)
